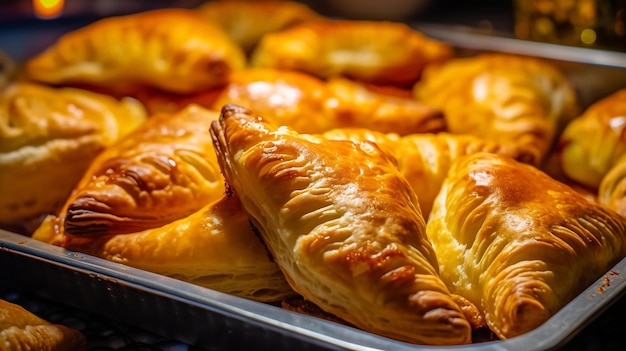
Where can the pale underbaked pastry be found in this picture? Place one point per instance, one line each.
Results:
(517, 243)
(21, 329)
(48, 138)
(425, 159)
(247, 21)
(593, 142)
(175, 50)
(310, 105)
(501, 97)
(386, 53)
(164, 170)
(343, 225)
(214, 247)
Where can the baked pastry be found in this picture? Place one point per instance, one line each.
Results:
(612, 188)
(174, 50)
(343, 225)
(214, 247)
(501, 97)
(331, 48)
(425, 159)
(164, 170)
(310, 105)
(592, 143)
(517, 243)
(246, 21)
(21, 329)
(48, 138)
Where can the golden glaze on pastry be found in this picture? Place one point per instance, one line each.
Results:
(175, 50)
(517, 243)
(164, 170)
(48, 137)
(20, 329)
(311, 105)
(246, 21)
(214, 247)
(343, 225)
(425, 159)
(592, 143)
(612, 189)
(501, 97)
(376, 52)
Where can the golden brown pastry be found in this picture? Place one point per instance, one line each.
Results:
(517, 243)
(48, 138)
(21, 329)
(214, 247)
(385, 53)
(343, 225)
(175, 50)
(612, 189)
(592, 143)
(311, 105)
(425, 159)
(163, 171)
(246, 21)
(501, 97)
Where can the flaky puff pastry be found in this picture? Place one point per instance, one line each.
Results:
(247, 21)
(376, 52)
(21, 329)
(593, 142)
(501, 97)
(343, 225)
(612, 188)
(517, 243)
(164, 170)
(214, 247)
(175, 50)
(425, 159)
(310, 105)
(48, 138)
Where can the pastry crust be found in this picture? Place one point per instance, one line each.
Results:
(425, 159)
(343, 225)
(247, 21)
(175, 50)
(612, 189)
(330, 48)
(517, 243)
(310, 105)
(501, 97)
(20, 329)
(48, 138)
(163, 171)
(592, 143)
(214, 247)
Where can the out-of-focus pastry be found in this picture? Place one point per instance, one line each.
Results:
(612, 189)
(174, 50)
(517, 243)
(214, 247)
(385, 53)
(246, 21)
(502, 98)
(164, 170)
(592, 143)
(21, 329)
(425, 159)
(343, 225)
(310, 105)
(48, 138)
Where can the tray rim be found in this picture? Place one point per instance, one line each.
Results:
(559, 329)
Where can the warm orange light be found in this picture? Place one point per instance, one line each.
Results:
(48, 8)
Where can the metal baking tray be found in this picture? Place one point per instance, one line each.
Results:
(216, 321)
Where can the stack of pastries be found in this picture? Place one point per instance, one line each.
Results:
(358, 165)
